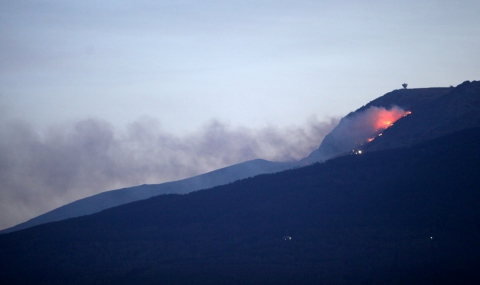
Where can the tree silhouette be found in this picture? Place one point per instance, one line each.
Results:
(404, 85)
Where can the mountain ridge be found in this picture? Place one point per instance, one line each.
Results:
(456, 110)
(430, 118)
(407, 215)
(419, 101)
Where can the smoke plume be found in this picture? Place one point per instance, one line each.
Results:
(359, 127)
(355, 130)
(42, 171)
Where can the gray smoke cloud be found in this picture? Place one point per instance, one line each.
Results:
(40, 171)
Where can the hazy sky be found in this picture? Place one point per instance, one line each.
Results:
(144, 85)
(248, 63)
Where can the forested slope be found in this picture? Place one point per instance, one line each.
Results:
(402, 216)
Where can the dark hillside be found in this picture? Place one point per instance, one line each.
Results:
(432, 117)
(457, 110)
(338, 142)
(402, 216)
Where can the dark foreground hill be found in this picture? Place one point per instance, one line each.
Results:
(401, 216)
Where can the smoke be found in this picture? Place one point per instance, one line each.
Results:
(361, 126)
(355, 130)
(42, 171)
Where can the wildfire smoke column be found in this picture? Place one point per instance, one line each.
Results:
(355, 130)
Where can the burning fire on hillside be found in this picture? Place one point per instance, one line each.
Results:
(366, 126)
(358, 129)
(385, 119)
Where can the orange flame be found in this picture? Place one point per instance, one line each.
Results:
(386, 118)
(364, 127)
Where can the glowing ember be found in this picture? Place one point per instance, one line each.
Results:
(370, 139)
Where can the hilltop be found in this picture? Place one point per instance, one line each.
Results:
(456, 110)
(433, 112)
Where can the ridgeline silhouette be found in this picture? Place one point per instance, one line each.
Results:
(405, 211)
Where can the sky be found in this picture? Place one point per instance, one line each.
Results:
(97, 95)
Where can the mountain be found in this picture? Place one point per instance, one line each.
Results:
(407, 215)
(109, 199)
(457, 110)
(409, 99)
(435, 112)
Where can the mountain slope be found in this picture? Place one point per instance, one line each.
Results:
(108, 199)
(435, 112)
(401, 216)
(457, 110)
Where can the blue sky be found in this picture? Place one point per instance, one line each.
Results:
(97, 95)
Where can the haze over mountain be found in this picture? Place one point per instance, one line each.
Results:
(405, 211)
(399, 216)
(108, 199)
(434, 112)
(45, 170)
